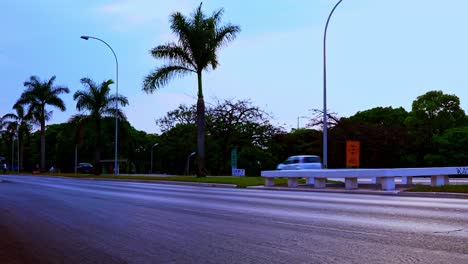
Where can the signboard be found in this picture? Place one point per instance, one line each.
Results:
(234, 158)
(353, 149)
(238, 172)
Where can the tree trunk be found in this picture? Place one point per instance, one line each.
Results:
(201, 172)
(21, 150)
(97, 149)
(43, 141)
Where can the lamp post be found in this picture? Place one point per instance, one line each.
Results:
(325, 125)
(152, 156)
(116, 165)
(298, 120)
(18, 152)
(12, 152)
(188, 162)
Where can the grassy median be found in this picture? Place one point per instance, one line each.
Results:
(241, 182)
(446, 188)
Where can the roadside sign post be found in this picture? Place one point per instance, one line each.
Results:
(353, 149)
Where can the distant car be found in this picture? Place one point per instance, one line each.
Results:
(300, 163)
(85, 168)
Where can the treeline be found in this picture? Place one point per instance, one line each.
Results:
(433, 133)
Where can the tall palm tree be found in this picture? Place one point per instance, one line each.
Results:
(18, 121)
(97, 101)
(37, 96)
(199, 38)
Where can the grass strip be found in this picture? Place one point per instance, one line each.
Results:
(241, 182)
(446, 188)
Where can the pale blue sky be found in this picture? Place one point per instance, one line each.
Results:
(380, 53)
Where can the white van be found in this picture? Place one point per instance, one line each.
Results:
(300, 163)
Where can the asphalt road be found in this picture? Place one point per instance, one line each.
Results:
(54, 220)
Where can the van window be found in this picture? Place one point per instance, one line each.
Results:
(311, 160)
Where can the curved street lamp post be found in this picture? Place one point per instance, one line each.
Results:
(188, 162)
(325, 125)
(299, 117)
(116, 165)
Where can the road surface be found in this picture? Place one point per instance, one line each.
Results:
(55, 220)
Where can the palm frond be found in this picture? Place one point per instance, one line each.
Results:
(162, 75)
(51, 81)
(225, 34)
(57, 102)
(121, 100)
(10, 116)
(57, 90)
(174, 53)
(33, 82)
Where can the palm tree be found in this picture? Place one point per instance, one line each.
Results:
(97, 101)
(19, 122)
(199, 38)
(37, 96)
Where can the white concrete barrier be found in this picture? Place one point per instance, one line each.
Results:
(384, 177)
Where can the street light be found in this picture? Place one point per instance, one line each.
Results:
(298, 120)
(152, 155)
(116, 166)
(188, 162)
(325, 128)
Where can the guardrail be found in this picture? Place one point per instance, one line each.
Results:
(385, 177)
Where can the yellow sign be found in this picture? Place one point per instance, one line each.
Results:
(353, 149)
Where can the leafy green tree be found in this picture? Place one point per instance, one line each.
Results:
(450, 148)
(199, 38)
(241, 125)
(19, 122)
(182, 115)
(435, 112)
(432, 114)
(37, 96)
(229, 124)
(97, 101)
(382, 133)
(386, 116)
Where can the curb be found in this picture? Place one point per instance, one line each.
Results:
(202, 184)
(377, 192)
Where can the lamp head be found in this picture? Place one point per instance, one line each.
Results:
(85, 37)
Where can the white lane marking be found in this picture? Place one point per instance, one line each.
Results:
(331, 229)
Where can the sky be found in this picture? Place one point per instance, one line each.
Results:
(379, 53)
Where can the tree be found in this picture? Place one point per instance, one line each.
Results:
(20, 122)
(432, 114)
(199, 38)
(97, 101)
(37, 96)
(451, 148)
(229, 124)
(436, 112)
(385, 116)
(182, 115)
(382, 133)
